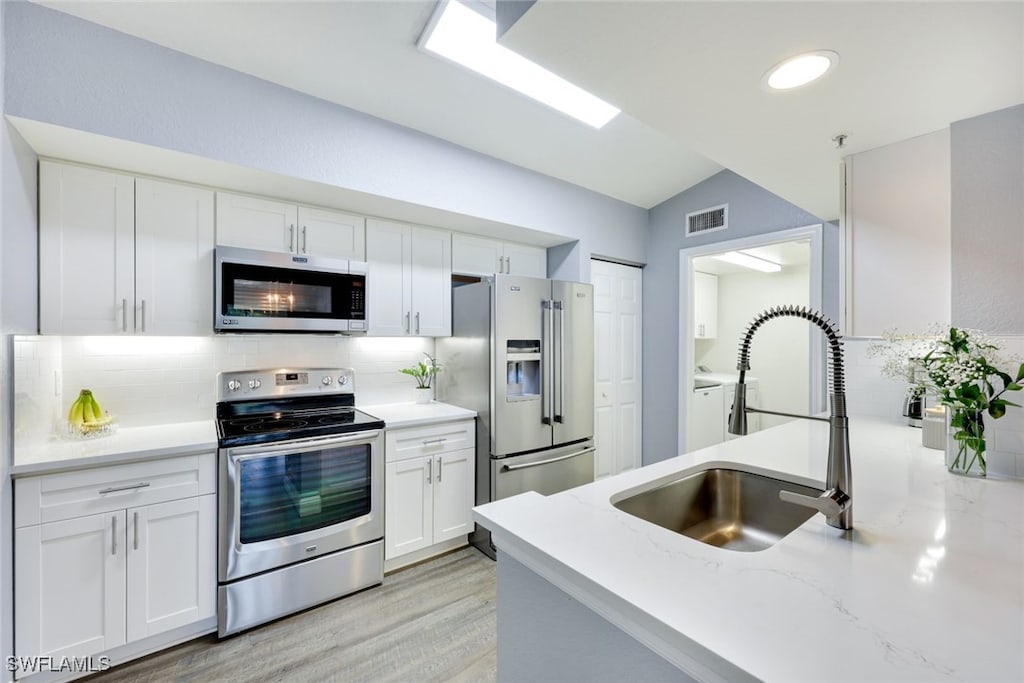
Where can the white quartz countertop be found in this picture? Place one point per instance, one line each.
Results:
(397, 415)
(131, 444)
(929, 586)
(128, 444)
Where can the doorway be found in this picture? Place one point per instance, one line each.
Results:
(787, 359)
(618, 389)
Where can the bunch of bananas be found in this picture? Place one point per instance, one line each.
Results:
(86, 412)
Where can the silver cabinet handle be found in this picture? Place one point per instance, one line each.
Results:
(440, 462)
(508, 265)
(135, 523)
(140, 485)
(430, 469)
(303, 239)
(417, 322)
(427, 442)
(113, 535)
(291, 237)
(501, 264)
(513, 468)
(143, 329)
(407, 314)
(124, 315)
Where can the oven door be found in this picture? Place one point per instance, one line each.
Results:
(290, 501)
(270, 291)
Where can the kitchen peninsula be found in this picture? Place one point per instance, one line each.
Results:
(928, 585)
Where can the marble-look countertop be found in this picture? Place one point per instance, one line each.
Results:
(397, 415)
(929, 586)
(131, 444)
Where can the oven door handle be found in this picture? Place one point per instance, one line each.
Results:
(299, 445)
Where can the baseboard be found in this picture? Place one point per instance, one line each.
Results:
(417, 556)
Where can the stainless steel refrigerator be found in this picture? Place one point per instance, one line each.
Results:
(521, 355)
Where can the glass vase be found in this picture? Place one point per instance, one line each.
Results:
(965, 442)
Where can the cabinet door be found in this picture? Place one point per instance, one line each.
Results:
(472, 255)
(453, 494)
(526, 260)
(408, 509)
(86, 250)
(70, 600)
(388, 254)
(256, 223)
(330, 233)
(172, 565)
(431, 280)
(705, 305)
(706, 419)
(173, 258)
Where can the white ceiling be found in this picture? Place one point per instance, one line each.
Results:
(686, 73)
(692, 70)
(786, 254)
(363, 55)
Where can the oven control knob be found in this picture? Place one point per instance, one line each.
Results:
(234, 385)
(255, 384)
(342, 380)
(326, 380)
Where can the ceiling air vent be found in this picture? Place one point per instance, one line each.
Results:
(707, 220)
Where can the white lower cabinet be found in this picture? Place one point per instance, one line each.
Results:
(428, 489)
(140, 566)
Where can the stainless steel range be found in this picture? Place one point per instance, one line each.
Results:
(300, 492)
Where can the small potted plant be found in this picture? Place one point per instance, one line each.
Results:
(423, 372)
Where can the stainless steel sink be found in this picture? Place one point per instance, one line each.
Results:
(727, 508)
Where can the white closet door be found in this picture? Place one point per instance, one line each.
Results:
(618, 386)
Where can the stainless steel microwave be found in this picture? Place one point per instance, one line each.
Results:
(266, 291)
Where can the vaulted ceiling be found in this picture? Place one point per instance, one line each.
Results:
(686, 75)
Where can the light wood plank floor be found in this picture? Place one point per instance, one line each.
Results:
(432, 622)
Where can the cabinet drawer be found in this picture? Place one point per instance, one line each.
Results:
(414, 442)
(53, 497)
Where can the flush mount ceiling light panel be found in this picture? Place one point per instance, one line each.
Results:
(738, 258)
(467, 37)
(799, 70)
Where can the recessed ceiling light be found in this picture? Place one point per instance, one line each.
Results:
(738, 258)
(466, 37)
(800, 70)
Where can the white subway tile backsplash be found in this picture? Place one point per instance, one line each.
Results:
(158, 380)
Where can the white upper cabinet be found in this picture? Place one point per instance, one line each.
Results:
(86, 250)
(173, 258)
(481, 256)
(331, 233)
(897, 237)
(256, 223)
(119, 255)
(705, 305)
(409, 280)
(271, 225)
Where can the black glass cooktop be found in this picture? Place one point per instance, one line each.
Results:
(266, 421)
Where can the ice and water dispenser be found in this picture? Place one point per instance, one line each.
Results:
(523, 370)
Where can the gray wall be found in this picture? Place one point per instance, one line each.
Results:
(987, 205)
(752, 211)
(69, 72)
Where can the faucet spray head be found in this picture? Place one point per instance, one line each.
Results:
(738, 416)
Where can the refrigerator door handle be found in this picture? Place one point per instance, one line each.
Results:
(560, 373)
(512, 468)
(546, 351)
